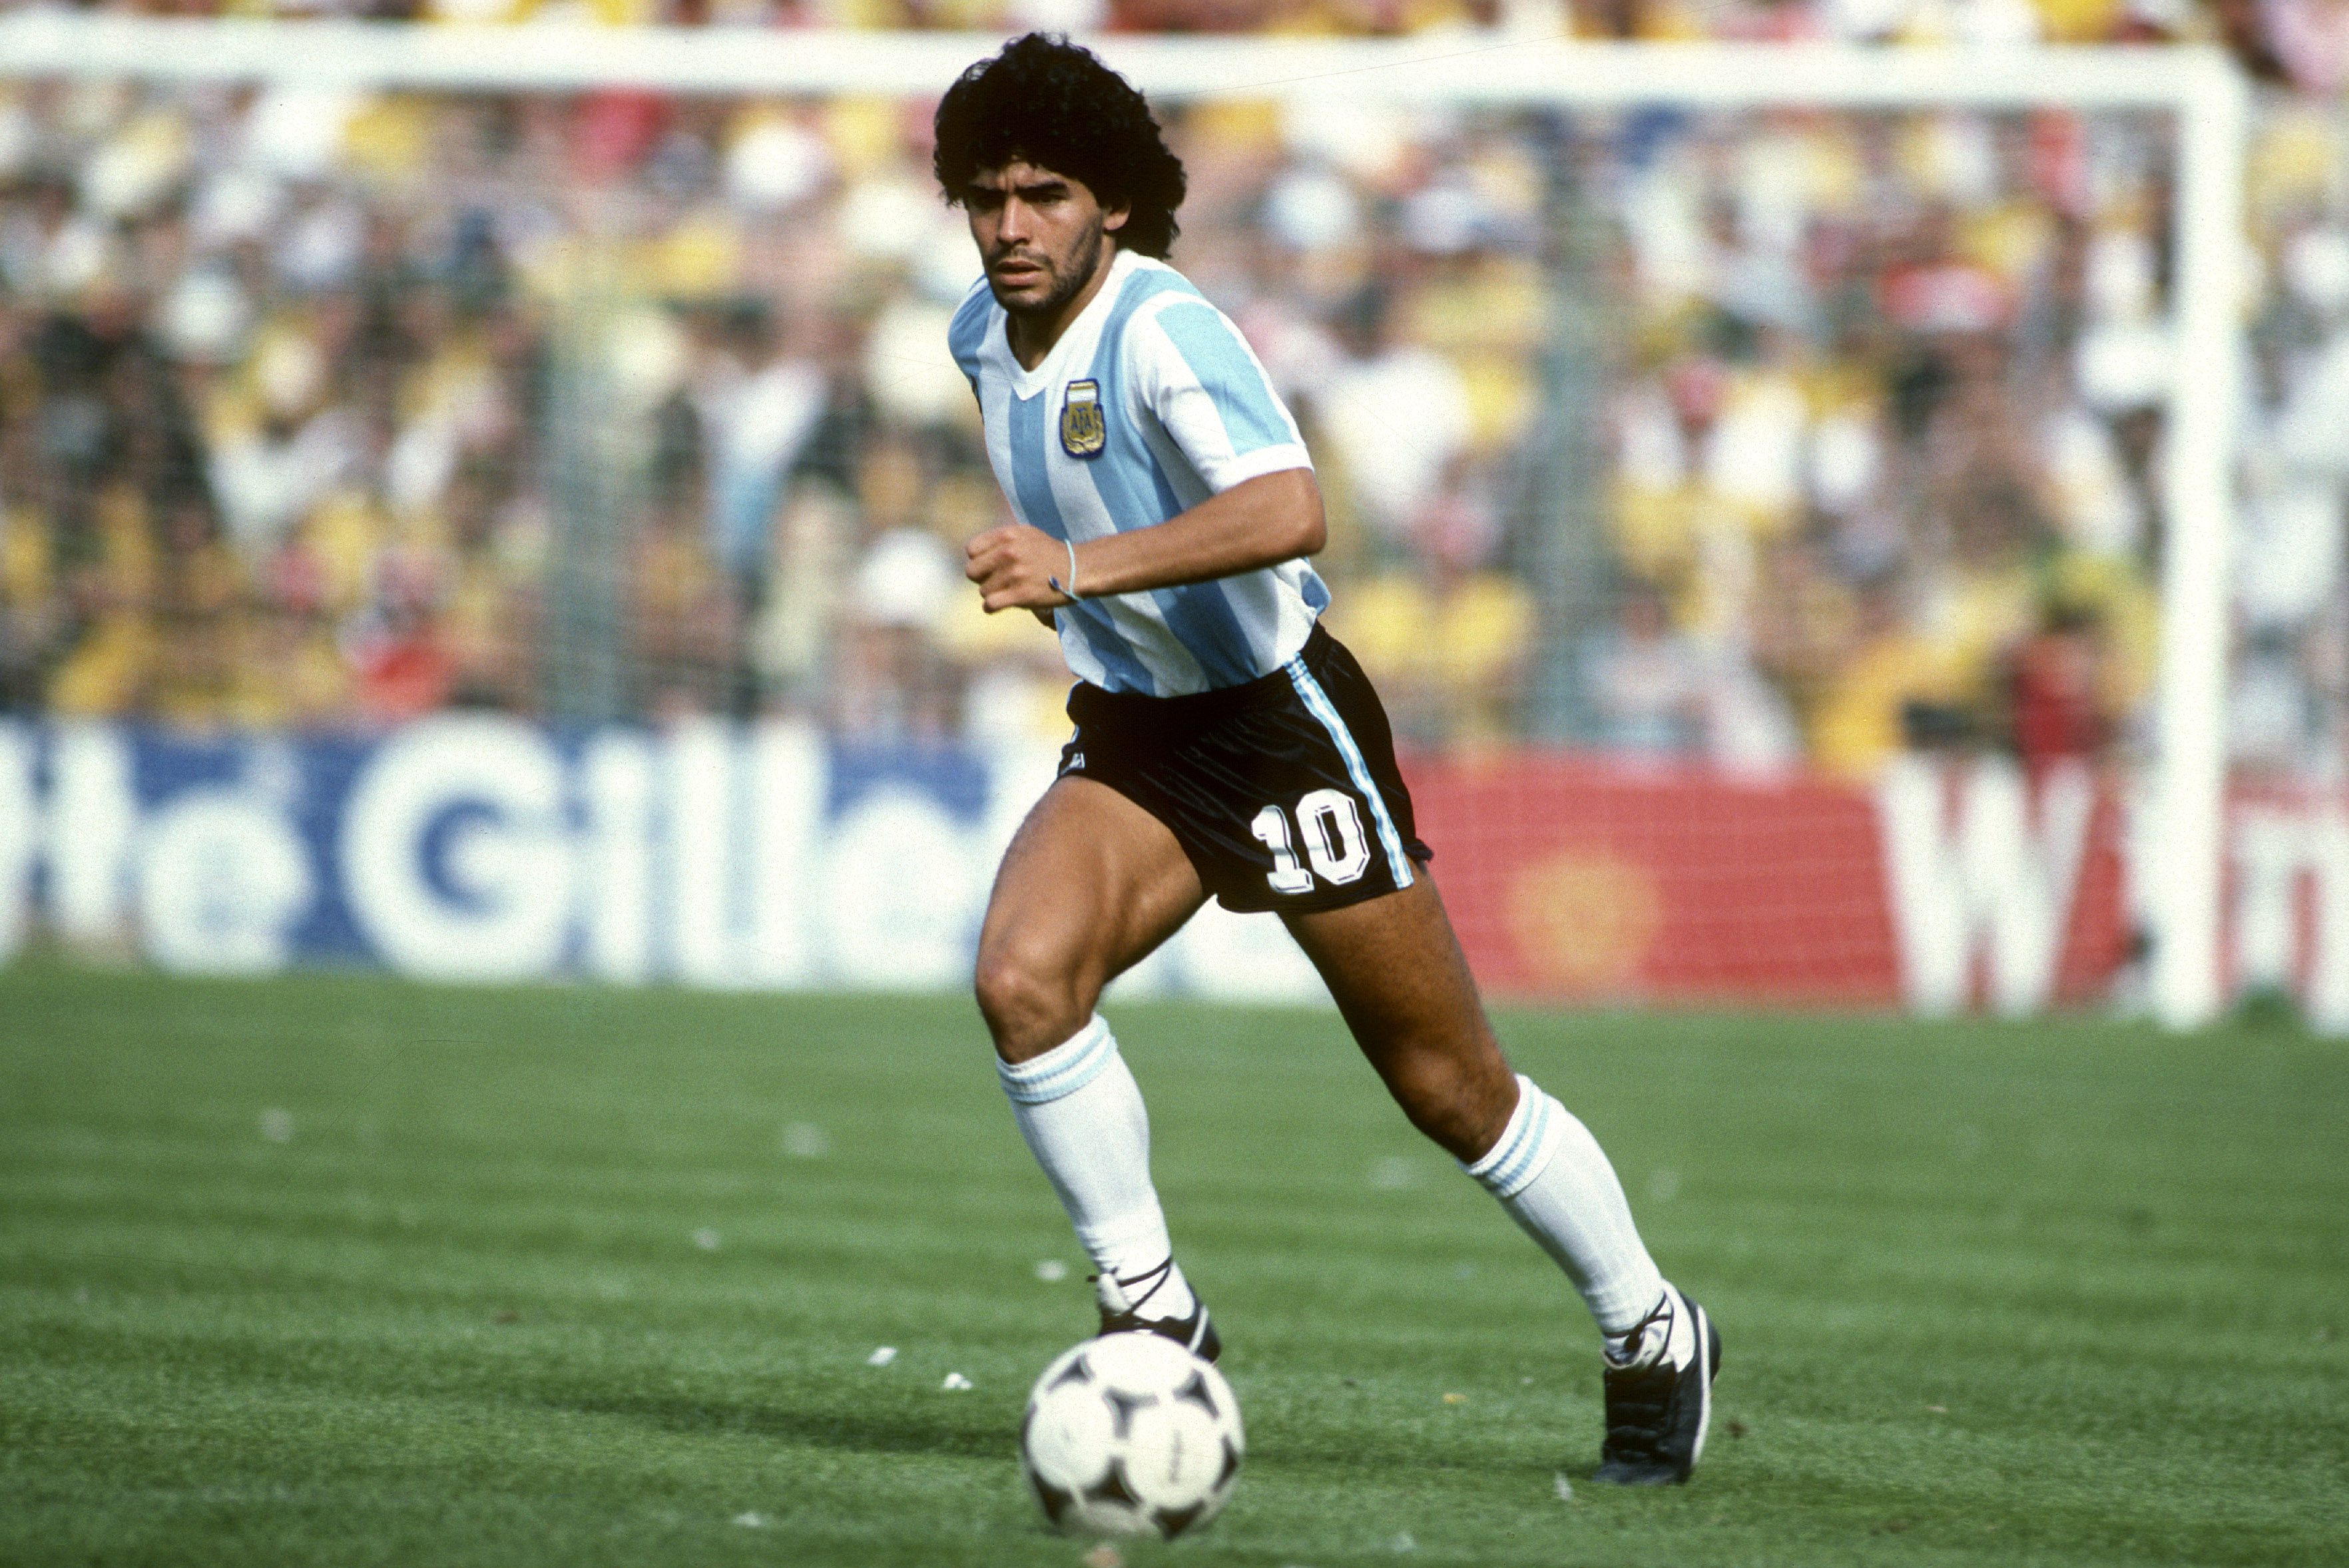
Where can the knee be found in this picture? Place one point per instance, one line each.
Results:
(1030, 1004)
(1462, 1106)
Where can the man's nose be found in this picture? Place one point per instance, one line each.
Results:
(1013, 224)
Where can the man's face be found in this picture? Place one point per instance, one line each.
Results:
(1039, 235)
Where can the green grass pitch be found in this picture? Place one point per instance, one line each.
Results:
(342, 1270)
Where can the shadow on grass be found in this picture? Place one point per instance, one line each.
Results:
(878, 1432)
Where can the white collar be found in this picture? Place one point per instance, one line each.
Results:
(1026, 383)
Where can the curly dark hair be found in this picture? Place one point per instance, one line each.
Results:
(1052, 103)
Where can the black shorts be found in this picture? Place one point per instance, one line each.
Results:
(1283, 791)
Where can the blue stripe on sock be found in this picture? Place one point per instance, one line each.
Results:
(1046, 1078)
(1517, 1159)
(1322, 708)
(1510, 1176)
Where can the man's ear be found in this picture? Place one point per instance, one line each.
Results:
(1114, 218)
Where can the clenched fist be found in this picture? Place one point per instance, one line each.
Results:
(1017, 568)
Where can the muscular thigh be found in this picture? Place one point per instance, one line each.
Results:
(1091, 884)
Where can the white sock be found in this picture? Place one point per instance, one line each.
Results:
(1664, 1333)
(1082, 1113)
(1552, 1177)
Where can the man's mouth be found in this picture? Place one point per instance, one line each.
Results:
(1017, 269)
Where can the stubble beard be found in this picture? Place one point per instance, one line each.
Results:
(1084, 259)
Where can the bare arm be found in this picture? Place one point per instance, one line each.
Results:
(1258, 523)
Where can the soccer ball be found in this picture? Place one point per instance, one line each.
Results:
(1131, 1434)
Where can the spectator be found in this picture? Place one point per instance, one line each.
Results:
(1448, 639)
(2056, 691)
(1397, 416)
(1896, 688)
(1646, 680)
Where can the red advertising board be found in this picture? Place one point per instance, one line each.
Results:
(1582, 879)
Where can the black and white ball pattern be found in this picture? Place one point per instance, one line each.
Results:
(1131, 1434)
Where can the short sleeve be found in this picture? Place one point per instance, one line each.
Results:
(1195, 372)
(968, 331)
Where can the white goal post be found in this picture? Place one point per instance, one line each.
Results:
(2198, 85)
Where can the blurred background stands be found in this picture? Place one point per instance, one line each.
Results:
(320, 409)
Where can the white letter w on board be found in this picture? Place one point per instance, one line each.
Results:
(1970, 872)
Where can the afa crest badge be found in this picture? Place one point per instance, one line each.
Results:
(1083, 431)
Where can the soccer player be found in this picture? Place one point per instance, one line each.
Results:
(1224, 743)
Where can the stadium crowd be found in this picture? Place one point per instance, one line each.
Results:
(309, 400)
(2304, 41)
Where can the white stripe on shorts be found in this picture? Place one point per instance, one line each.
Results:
(1326, 711)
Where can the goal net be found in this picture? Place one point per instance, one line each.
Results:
(487, 502)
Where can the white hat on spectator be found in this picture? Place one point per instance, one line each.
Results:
(1756, 455)
(235, 205)
(136, 168)
(948, 266)
(1311, 210)
(205, 316)
(776, 164)
(297, 132)
(1363, 137)
(1846, 459)
(1400, 420)
(2121, 365)
(1996, 22)
(907, 368)
(904, 580)
(648, 356)
(421, 463)
(886, 218)
(893, 219)
(80, 253)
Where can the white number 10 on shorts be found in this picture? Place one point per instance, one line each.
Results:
(1334, 842)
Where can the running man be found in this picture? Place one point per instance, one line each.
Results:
(1224, 743)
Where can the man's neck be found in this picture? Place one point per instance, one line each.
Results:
(1033, 336)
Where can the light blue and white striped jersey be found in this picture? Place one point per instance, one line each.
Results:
(1150, 403)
